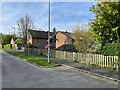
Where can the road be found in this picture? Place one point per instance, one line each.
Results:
(19, 74)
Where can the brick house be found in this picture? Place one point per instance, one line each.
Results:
(64, 41)
(35, 37)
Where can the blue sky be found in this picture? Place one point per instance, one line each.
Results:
(64, 15)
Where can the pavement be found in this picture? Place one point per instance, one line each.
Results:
(93, 70)
(17, 73)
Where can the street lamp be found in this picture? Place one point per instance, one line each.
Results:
(49, 32)
(14, 32)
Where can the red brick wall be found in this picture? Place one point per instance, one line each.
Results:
(43, 42)
(34, 41)
(60, 39)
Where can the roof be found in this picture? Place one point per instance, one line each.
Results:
(68, 34)
(39, 34)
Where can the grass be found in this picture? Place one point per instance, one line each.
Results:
(34, 59)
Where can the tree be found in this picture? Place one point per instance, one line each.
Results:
(81, 39)
(6, 39)
(25, 23)
(19, 40)
(106, 24)
(54, 30)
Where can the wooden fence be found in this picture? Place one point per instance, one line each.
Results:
(89, 59)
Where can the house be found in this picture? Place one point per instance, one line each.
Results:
(12, 42)
(64, 41)
(38, 37)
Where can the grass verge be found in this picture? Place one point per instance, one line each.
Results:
(34, 59)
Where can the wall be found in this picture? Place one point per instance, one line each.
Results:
(29, 39)
(60, 39)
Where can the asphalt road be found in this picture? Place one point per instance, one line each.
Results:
(19, 74)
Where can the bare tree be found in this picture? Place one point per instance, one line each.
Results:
(25, 23)
(82, 38)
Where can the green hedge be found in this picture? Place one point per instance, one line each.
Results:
(109, 49)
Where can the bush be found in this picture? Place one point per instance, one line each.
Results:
(0, 45)
(109, 49)
(7, 46)
(32, 46)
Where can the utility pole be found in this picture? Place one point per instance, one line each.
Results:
(49, 32)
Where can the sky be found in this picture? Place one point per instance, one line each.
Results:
(64, 15)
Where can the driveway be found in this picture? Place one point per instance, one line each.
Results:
(19, 74)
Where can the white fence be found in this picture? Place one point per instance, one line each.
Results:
(89, 59)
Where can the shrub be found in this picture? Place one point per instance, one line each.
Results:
(7, 46)
(109, 49)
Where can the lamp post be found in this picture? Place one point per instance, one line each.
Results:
(49, 32)
(14, 32)
(11, 46)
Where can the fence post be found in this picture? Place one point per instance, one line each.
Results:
(116, 62)
(107, 62)
(90, 59)
(87, 58)
(102, 61)
(112, 63)
(78, 57)
(64, 55)
(73, 56)
(98, 59)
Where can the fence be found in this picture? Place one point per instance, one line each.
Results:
(89, 59)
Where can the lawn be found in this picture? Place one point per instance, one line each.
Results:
(34, 59)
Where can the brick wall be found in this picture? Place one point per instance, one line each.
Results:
(61, 39)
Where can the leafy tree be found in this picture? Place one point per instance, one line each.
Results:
(6, 39)
(106, 24)
(25, 23)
